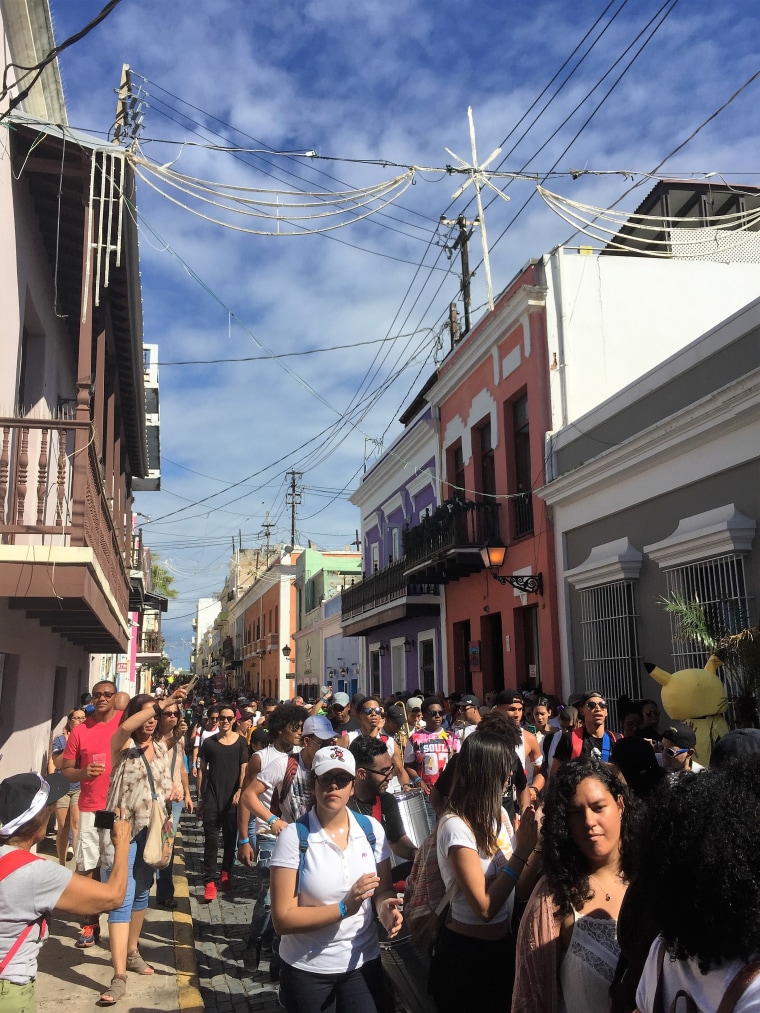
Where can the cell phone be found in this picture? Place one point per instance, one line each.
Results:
(191, 684)
(104, 819)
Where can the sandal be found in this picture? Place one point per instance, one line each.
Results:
(136, 963)
(115, 991)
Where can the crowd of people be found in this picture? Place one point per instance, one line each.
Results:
(587, 863)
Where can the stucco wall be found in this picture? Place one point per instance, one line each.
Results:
(27, 708)
(611, 319)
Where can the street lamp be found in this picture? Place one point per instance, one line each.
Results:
(493, 554)
(286, 651)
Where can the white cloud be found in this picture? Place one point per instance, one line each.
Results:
(382, 79)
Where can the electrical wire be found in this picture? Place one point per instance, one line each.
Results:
(37, 68)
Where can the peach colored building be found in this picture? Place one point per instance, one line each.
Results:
(269, 611)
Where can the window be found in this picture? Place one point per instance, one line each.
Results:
(457, 486)
(395, 544)
(703, 561)
(426, 647)
(398, 666)
(487, 470)
(374, 673)
(610, 646)
(718, 585)
(375, 556)
(522, 502)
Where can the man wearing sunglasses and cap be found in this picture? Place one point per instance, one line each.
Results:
(30, 887)
(592, 740)
(679, 747)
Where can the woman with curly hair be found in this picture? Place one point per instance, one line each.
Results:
(481, 861)
(567, 946)
(699, 868)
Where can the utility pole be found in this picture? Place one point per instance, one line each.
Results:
(453, 324)
(460, 243)
(293, 499)
(122, 95)
(266, 530)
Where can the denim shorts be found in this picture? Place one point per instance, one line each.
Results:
(139, 881)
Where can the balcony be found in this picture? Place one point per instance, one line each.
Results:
(385, 597)
(446, 544)
(62, 556)
(228, 649)
(273, 641)
(151, 645)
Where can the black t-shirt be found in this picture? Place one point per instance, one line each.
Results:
(390, 815)
(222, 775)
(592, 748)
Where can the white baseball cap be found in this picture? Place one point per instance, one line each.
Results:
(333, 758)
(319, 727)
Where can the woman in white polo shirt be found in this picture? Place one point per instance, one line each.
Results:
(324, 877)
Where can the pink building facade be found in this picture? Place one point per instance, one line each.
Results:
(492, 393)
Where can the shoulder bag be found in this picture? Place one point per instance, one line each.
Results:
(160, 841)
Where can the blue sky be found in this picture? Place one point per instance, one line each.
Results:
(376, 80)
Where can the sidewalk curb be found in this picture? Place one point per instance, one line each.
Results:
(189, 998)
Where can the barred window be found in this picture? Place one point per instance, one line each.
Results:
(718, 585)
(610, 644)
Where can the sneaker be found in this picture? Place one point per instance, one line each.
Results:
(226, 883)
(89, 935)
(209, 893)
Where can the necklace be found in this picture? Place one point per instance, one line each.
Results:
(606, 893)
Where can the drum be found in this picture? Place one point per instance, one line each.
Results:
(416, 814)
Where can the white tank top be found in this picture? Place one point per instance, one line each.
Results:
(588, 966)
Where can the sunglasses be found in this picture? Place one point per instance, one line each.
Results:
(668, 750)
(225, 717)
(595, 705)
(170, 714)
(383, 774)
(340, 781)
(373, 710)
(436, 714)
(104, 696)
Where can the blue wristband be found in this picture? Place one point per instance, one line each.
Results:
(416, 780)
(342, 909)
(272, 819)
(511, 872)
(244, 840)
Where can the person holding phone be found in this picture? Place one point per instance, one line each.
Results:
(87, 761)
(133, 750)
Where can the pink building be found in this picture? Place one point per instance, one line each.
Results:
(493, 397)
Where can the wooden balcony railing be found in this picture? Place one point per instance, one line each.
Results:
(151, 643)
(52, 493)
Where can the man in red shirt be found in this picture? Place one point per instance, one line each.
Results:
(87, 759)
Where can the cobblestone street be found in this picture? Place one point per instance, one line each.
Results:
(221, 930)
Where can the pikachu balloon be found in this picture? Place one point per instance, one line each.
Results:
(695, 695)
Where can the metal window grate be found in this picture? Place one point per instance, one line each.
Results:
(719, 586)
(610, 644)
